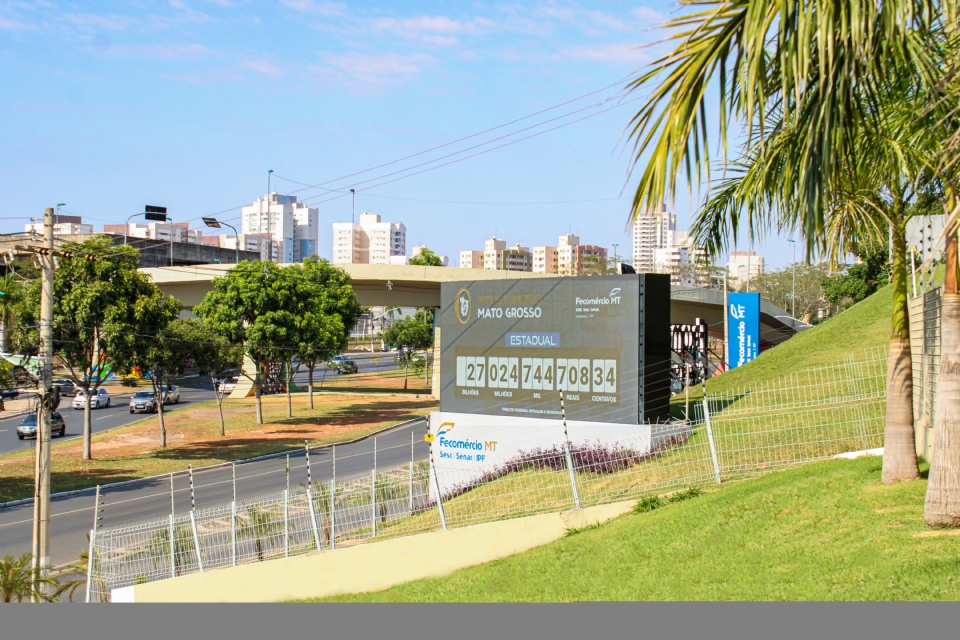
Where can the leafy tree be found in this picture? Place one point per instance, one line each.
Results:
(409, 335)
(6, 379)
(159, 349)
(835, 146)
(594, 265)
(212, 355)
(426, 257)
(11, 291)
(778, 286)
(255, 305)
(96, 306)
(860, 280)
(326, 330)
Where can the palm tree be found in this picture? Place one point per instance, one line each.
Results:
(73, 575)
(258, 525)
(18, 581)
(807, 82)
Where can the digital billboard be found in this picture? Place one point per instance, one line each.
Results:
(508, 347)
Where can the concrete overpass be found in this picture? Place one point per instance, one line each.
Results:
(419, 286)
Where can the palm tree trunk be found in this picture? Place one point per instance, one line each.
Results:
(899, 443)
(942, 506)
(406, 370)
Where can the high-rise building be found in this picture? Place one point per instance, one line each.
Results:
(545, 260)
(651, 231)
(493, 253)
(471, 259)
(744, 264)
(372, 241)
(290, 227)
(567, 254)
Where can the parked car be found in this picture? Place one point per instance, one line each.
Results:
(66, 386)
(100, 398)
(28, 428)
(227, 385)
(347, 366)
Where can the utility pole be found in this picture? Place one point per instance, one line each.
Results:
(269, 226)
(41, 494)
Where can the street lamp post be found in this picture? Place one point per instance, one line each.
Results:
(215, 224)
(353, 205)
(615, 245)
(269, 226)
(793, 296)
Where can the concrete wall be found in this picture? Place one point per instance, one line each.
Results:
(369, 567)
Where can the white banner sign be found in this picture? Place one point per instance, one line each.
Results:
(467, 446)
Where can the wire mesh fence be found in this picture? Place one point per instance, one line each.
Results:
(797, 418)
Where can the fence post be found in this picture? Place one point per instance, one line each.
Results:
(313, 518)
(333, 513)
(173, 551)
(196, 539)
(233, 532)
(566, 455)
(93, 541)
(713, 448)
(411, 488)
(436, 483)
(193, 503)
(286, 521)
(373, 496)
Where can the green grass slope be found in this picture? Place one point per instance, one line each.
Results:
(866, 325)
(827, 531)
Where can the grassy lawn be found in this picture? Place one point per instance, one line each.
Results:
(391, 380)
(826, 531)
(193, 437)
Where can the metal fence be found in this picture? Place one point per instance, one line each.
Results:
(925, 311)
(801, 417)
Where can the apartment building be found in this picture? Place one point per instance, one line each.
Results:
(471, 259)
(744, 265)
(493, 253)
(545, 260)
(371, 241)
(290, 227)
(163, 231)
(516, 258)
(62, 226)
(651, 231)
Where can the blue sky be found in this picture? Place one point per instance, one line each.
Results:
(112, 105)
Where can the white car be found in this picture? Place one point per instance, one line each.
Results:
(100, 398)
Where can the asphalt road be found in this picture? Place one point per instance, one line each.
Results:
(116, 415)
(72, 516)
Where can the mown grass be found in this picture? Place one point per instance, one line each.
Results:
(826, 531)
(193, 433)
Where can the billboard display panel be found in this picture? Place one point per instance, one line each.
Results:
(509, 346)
(743, 319)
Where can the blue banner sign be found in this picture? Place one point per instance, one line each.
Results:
(743, 320)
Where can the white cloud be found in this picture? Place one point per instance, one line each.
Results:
(390, 68)
(612, 53)
(264, 67)
(310, 6)
(187, 50)
(648, 14)
(13, 24)
(95, 20)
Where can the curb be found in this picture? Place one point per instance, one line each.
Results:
(279, 454)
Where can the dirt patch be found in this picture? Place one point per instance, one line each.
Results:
(938, 533)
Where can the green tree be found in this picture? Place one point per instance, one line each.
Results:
(326, 331)
(594, 265)
(778, 287)
(830, 96)
(11, 291)
(96, 306)
(255, 305)
(858, 281)
(409, 335)
(212, 355)
(427, 258)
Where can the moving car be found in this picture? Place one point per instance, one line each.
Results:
(347, 366)
(28, 428)
(100, 398)
(227, 386)
(145, 400)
